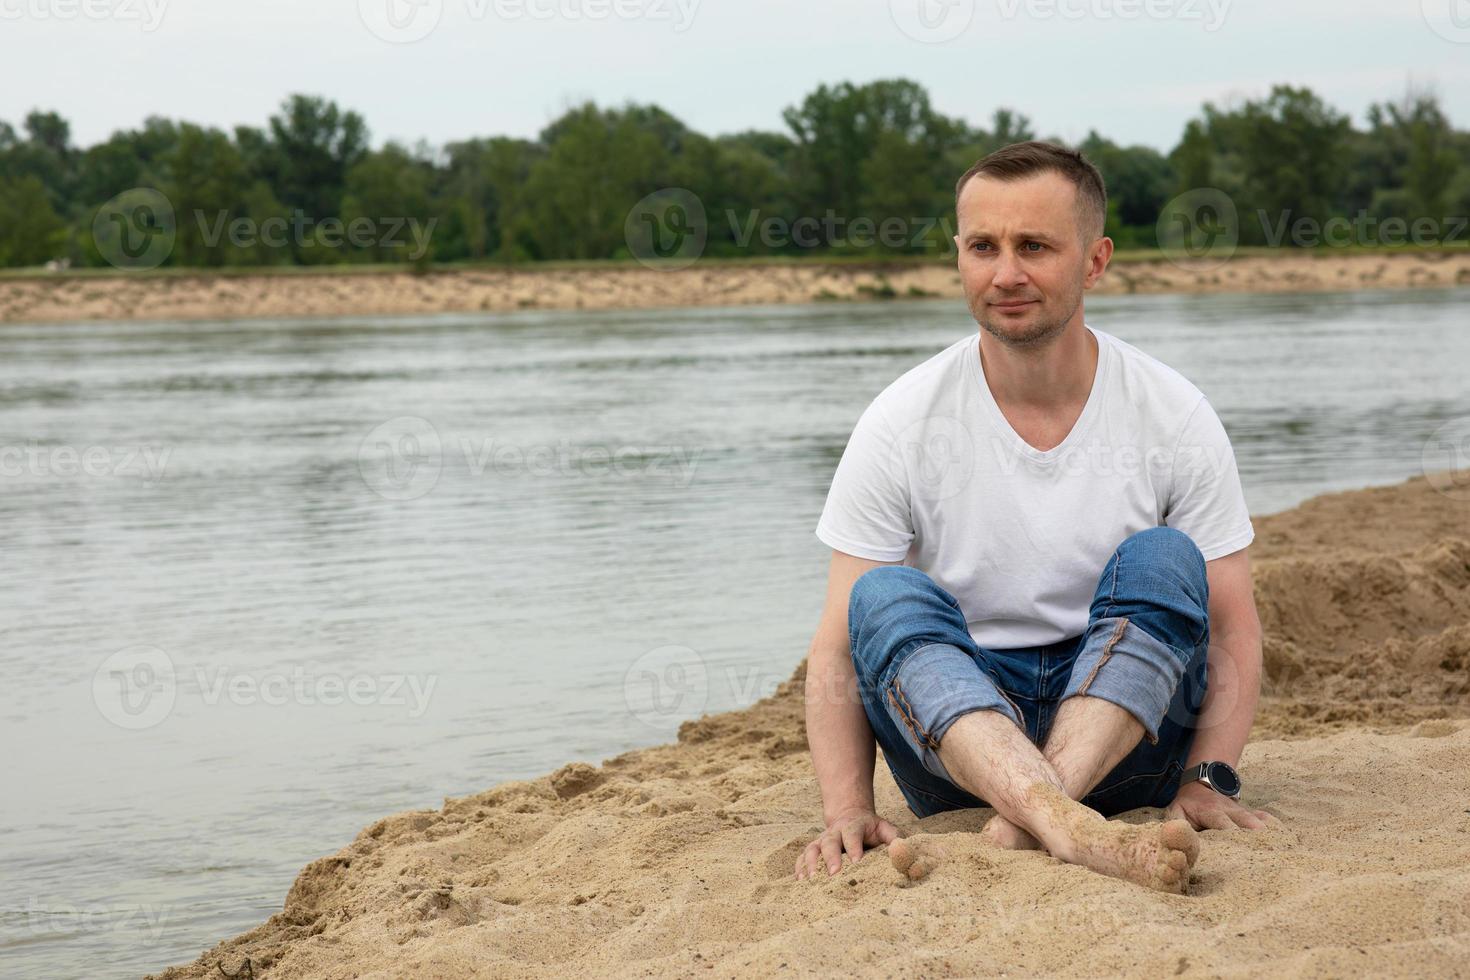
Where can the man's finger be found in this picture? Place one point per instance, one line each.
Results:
(807, 862)
(1248, 820)
(852, 841)
(831, 852)
(885, 832)
(1214, 819)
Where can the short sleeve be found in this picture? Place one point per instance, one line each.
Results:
(867, 513)
(1206, 501)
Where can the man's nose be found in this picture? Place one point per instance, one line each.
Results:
(1008, 270)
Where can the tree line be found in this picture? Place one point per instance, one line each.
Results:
(874, 151)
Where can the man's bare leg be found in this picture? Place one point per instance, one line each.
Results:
(988, 755)
(1087, 741)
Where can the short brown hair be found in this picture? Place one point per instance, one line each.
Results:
(1032, 157)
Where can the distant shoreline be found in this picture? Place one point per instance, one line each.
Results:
(379, 291)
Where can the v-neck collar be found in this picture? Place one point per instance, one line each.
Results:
(1079, 428)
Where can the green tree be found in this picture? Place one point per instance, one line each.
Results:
(598, 165)
(385, 190)
(315, 144)
(30, 231)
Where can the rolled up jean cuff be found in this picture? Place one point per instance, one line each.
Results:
(1121, 663)
(931, 688)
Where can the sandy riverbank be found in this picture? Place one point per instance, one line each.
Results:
(177, 296)
(676, 861)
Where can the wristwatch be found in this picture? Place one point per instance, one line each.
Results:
(1217, 776)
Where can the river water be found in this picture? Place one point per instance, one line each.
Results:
(267, 582)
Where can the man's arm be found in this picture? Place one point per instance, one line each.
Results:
(1234, 664)
(837, 729)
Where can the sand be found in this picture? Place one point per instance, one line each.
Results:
(182, 296)
(676, 861)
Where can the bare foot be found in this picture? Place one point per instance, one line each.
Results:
(912, 859)
(1156, 855)
(1000, 832)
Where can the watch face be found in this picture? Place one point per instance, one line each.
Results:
(1224, 779)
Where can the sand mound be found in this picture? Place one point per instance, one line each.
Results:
(677, 860)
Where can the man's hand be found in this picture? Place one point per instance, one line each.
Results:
(849, 832)
(1206, 809)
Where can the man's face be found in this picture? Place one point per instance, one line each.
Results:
(1022, 260)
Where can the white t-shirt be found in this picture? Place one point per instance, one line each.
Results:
(935, 476)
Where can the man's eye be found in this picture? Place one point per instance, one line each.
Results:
(1038, 245)
(979, 245)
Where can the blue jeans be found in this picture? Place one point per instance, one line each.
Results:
(1144, 650)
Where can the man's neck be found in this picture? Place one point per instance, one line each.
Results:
(1052, 376)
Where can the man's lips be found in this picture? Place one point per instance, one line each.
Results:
(1013, 304)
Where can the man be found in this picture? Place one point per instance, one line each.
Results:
(1039, 545)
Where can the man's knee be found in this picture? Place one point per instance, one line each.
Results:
(880, 589)
(1164, 562)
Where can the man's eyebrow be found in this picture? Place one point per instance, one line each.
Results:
(1037, 236)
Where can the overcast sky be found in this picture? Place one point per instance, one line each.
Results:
(1135, 70)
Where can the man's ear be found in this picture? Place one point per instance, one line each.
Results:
(1097, 261)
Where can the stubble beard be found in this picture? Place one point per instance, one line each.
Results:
(1039, 333)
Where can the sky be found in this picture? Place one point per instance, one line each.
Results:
(442, 70)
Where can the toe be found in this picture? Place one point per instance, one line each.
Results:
(902, 855)
(1180, 836)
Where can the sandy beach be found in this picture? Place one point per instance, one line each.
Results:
(203, 295)
(676, 861)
